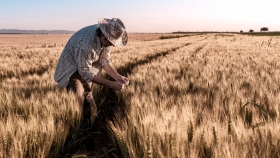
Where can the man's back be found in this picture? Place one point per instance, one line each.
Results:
(66, 66)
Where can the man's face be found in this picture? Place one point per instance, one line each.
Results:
(104, 41)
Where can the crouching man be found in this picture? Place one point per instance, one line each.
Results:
(85, 55)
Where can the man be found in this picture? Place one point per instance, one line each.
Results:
(85, 55)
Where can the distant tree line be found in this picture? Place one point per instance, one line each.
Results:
(251, 31)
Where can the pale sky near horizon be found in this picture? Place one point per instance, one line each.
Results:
(142, 16)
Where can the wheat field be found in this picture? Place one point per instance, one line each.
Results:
(202, 95)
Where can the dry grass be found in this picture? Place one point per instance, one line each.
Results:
(198, 96)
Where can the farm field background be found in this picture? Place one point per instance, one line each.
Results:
(203, 95)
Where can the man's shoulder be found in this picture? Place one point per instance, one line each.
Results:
(90, 28)
(84, 35)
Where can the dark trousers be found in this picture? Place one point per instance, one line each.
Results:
(83, 89)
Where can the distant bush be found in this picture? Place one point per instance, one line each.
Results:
(264, 29)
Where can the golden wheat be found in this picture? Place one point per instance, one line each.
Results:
(186, 97)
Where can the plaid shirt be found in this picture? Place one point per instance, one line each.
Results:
(83, 52)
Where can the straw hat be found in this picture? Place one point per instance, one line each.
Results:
(114, 31)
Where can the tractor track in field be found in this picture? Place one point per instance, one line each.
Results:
(127, 68)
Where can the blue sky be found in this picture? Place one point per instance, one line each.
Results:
(142, 16)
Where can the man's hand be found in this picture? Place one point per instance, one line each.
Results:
(122, 79)
(112, 72)
(117, 85)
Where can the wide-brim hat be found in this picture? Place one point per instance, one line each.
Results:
(114, 31)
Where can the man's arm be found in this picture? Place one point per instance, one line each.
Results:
(114, 74)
